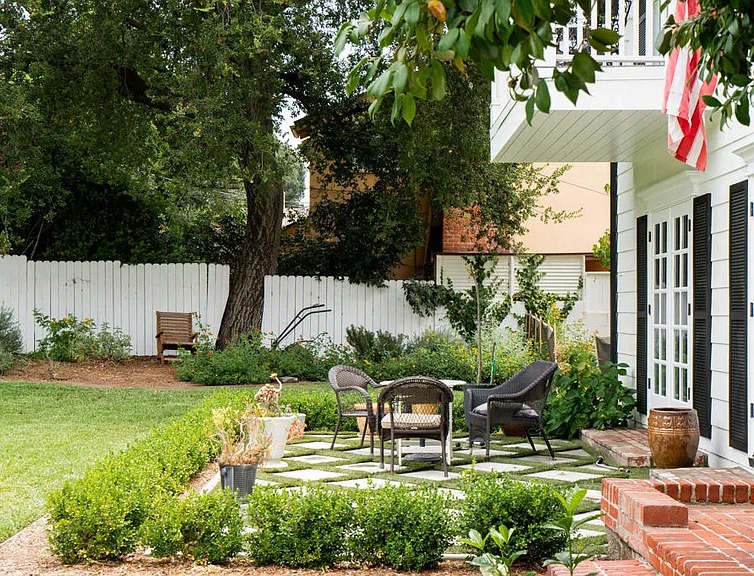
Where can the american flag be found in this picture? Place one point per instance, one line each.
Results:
(687, 137)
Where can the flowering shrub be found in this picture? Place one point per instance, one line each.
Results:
(69, 339)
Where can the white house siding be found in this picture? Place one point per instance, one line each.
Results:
(663, 185)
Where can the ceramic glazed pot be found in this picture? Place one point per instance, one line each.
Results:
(673, 436)
(239, 478)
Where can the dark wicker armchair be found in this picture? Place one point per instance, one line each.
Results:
(516, 403)
(351, 391)
(414, 407)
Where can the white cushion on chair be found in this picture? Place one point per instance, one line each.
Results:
(412, 421)
(525, 412)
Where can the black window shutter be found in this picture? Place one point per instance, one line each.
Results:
(738, 401)
(641, 314)
(702, 298)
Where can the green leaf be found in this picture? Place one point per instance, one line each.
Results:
(542, 9)
(385, 37)
(400, 78)
(584, 66)
(605, 36)
(353, 76)
(373, 69)
(523, 14)
(342, 37)
(742, 110)
(462, 44)
(488, 10)
(399, 12)
(471, 21)
(740, 80)
(437, 76)
(502, 11)
(409, 108)
(529, 110)
(711, 101)
(543, 97)
(586, 6)
(448, 40)
(422, 39)
(412, 14)
(662, 42)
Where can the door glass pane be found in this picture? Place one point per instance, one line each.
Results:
(664, 237)
(685, 243)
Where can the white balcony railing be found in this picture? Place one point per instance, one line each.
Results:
(637, 21)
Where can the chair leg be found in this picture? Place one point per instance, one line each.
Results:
(382, 452)
(487, 441)
(444, 457)
(392, 452)
(364, 432)
(547, 441)
(337, 426)
(371, 437)
(528, 435)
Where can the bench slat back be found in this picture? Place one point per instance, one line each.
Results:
(175, 326)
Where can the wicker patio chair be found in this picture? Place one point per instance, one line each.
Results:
(414, 407)
(517, 403)
(351, 387)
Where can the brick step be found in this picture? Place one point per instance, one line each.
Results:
(685, 522)
(606, 568)
(626, 446)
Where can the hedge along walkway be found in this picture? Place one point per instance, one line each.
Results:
(310, 459)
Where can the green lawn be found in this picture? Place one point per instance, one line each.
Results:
(51, 433)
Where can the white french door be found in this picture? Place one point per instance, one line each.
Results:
(670, 308)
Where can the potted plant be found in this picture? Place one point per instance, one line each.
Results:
(279, 422)
(244, 445)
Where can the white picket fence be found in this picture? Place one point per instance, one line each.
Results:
(124, 296)
(375, 308)
(127, 297)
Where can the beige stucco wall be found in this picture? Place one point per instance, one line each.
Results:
(581, 187)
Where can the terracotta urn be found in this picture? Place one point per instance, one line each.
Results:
(673, 435)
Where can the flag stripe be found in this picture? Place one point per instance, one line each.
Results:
(683, 103)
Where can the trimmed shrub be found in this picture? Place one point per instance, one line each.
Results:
(246, 361)
(492, 500)
(401, 528)
(374, 346)
(205, 527)
(11, 342)
(10, 332)
(99, 516)
(237, 363)
(305, 529)
(320, 407)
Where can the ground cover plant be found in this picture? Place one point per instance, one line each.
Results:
(51, 433)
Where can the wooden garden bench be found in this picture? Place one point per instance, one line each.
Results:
(174, 330)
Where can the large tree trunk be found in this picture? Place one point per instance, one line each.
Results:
(258, 257)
